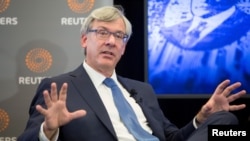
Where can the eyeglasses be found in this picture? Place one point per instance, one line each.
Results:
(105, 34)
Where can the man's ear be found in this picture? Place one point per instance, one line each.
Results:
(84, 41)
(124, 48)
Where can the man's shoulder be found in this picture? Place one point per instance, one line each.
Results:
(132, 81)
(65, 75)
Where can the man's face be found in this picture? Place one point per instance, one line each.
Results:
(103, 54)
(210, 7)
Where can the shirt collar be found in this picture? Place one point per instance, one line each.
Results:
(96, 77)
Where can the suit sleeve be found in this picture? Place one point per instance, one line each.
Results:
(31, 131)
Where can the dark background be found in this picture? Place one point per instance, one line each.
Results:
(178, 110)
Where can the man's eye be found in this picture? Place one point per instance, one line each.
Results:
(119, 35)
(103, 32)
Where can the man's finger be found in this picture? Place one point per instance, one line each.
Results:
(53, 93)
(220, 88)
(238, 95)
(78, 114)
(47, 98)
(237, 107)
(231, 88)
(41, 110)
(63, 92)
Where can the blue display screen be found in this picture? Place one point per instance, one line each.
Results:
(193, 45)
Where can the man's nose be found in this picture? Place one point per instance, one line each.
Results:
(111, 39)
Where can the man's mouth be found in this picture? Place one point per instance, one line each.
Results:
(108, 53)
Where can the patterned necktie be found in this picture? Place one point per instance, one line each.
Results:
(127, 114)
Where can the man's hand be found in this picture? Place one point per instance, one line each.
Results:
(220, 100)
(56, 113)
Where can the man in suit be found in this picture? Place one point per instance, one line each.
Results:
(78, 106)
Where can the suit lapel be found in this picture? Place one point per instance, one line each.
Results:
(131, 89)
(90, 95)
(139, 99)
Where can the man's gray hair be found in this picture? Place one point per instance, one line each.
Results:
(106, 14)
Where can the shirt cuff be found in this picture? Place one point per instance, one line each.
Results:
(42, 136)
(195, 123)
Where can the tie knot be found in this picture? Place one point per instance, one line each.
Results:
(109, 82)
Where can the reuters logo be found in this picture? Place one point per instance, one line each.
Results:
(4, 4)
(38, 60)
(4, 120)
(83, 7)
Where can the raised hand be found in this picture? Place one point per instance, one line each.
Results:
(221, 99)
(57, 113)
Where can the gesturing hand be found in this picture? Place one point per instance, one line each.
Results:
(221, 99)
(57, 113)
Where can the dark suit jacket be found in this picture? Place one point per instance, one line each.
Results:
(232, 29)
(96, 125)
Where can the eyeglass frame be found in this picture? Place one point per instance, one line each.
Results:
(96, 31)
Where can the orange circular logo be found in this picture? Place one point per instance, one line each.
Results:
(4, 4)
(83, 7)
(38, 60)
(4, 120)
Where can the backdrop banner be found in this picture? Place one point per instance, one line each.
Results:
(38, 39)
